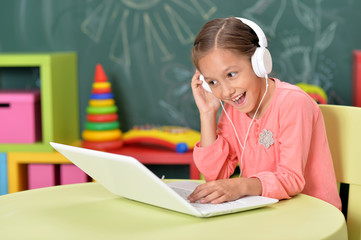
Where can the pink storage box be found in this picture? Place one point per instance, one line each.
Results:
(42, 175)
(70, 174)
(20, 116)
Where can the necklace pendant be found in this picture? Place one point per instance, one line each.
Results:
(266, 138)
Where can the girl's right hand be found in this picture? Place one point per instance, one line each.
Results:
(206, 101)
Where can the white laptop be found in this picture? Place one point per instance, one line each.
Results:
(127, 177)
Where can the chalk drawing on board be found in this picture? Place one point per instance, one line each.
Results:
(327, 37)
(181, 29)
(300, 59)
(306, 15)
(177, 117)
(152, 35)
(94, 24)
(178, 102)
(121, 40)
(144, 21)
(115, 13)
(311, 19)
(325, 72)
(205, 8)
(140, 4)
(267, 13)
(301, 71)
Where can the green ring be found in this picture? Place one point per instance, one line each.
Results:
(101, 110)
(101, 126)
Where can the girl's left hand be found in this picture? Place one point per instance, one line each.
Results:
(225, 190)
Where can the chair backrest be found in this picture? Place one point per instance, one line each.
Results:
(343, 127)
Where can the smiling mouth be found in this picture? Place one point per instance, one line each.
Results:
(239, 99)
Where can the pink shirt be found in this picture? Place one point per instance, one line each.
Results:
(298, 161)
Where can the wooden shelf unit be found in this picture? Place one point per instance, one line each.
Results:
(59, 97)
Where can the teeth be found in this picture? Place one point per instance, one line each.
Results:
(237, 98)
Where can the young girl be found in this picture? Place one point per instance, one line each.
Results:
(273, 130)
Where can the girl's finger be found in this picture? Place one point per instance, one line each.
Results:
(211, 197)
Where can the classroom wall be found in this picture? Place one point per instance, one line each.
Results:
(144, 46)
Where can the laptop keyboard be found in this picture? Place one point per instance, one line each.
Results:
(209, 208)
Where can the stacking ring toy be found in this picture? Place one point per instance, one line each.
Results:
(98, 85)
(318, 98)
(101, 103)
(103, 146)
(101, 110)
(101, 90)
(101, 96)
(101, 126)
(99, 136)
(102, 117)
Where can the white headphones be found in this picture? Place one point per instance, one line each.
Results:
(261, 59)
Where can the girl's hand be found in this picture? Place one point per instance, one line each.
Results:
(225, 190)
(206, 101)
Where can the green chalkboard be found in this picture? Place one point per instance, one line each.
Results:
(144, 46)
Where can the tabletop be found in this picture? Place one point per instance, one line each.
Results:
(89, 211)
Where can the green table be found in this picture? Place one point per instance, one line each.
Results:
(89, 211)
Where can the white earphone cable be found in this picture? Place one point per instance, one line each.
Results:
(234, 129)
(254, 116)
(249, 127)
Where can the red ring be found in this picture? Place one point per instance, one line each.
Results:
(103, 146)
(101, 90)
(317, 97)
(102, 117)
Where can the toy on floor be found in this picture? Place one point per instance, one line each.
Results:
(180, 139)
(102, 126)
(316, 92)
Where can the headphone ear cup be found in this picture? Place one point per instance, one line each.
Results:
(261, 62)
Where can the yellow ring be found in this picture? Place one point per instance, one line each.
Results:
(101, 103)
(100, 136)
(309, 88)
(98, 85)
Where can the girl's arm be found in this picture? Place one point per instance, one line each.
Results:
(208, 106)
(219, 159)
(299, 121)
(294, 138)
(222, 161)
(208, 129)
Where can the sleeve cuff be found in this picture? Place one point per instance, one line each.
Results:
(210, 160)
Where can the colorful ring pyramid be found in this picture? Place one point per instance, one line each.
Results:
(102, 126)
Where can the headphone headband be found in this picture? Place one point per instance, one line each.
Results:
(262, 40)
(261, 59)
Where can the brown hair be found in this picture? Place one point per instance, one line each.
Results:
(225, 33)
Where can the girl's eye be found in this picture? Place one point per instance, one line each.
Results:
(231, 74)
(212, 82)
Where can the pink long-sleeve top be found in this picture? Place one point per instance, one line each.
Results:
(298, 160)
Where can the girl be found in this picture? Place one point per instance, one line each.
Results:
(273, 130)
